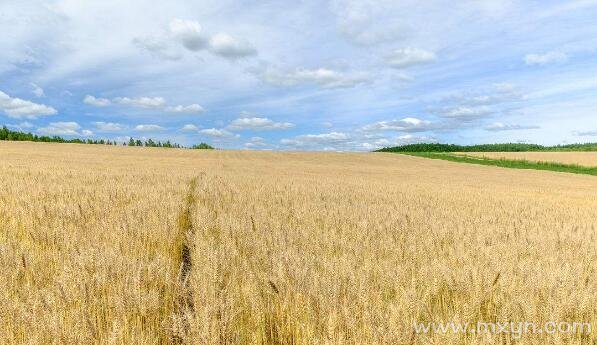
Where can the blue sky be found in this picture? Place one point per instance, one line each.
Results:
(344, 75)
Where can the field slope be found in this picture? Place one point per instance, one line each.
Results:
(139, 245)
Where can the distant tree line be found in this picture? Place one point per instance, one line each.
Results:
(7, 134)
(507, 147)
(10, 135)
(202, 146)
(151, 143)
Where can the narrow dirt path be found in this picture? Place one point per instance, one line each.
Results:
(186, 233)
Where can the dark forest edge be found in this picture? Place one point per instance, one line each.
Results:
(507, 147)
(10, 135)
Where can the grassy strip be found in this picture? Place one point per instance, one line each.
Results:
(508, 163)
(505, 147)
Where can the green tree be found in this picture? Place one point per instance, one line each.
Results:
(203, 146)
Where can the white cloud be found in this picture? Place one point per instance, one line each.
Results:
(378, 144)
(398, 141)
(63, 129)
(356, 141)
(149, 128)
(22, 109)
(217, 133)
(317, 139)
(188, 109)
(229, 47)
(109, 126)
(98, 102)
(499, 93)
(256, 143)
(37, 91)
(86, 133)
(468, 106)
(144, 102)
(189, 128)
(499, 126)
(189, 33)
(141, 102)
(408, 124)
(465, 113)
(547, 58)
(324, 77)
(407, 57)
(158, 47)
(258, 123)
(327, 137)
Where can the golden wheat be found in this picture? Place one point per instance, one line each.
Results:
(285, 248)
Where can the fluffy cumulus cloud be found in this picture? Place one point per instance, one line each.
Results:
(141, 102)
(149, 128)
(96, 102)
(224, 45)
(408, 124)
(22, 109)
(189, 33)
(67, 128)
(377, 144)
(109, 126)
(257, 123)
(324, 140)
(349, 141)
(255, 143)
(217, 133)
(408, 57)
(185, 109)
(189, 128)
(191, 36)
(546, 58)
(144, 102)
(400, 140)
(323, 77)
(500, 126)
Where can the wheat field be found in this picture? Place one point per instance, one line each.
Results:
(588, 159)
(122, 245)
